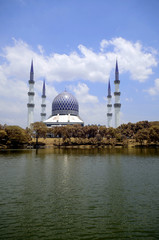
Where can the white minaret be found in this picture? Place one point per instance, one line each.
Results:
(117, 104)
(31, 94)
(109, 106)
(43, 105)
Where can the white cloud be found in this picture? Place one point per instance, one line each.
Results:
(104, 44)
(94, 113)
(154, 90)
(82, 94)
(84, 64)
(41, 49)
(133, 57)
(90, 110)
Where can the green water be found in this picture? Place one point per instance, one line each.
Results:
(79, 194)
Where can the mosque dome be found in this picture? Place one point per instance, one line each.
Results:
(65, 103)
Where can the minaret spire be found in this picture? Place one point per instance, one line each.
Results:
(109, 88)
(43, 91)
(117, 104)
(116, 71)
(31, 94)
(32, 72)
(43, 105)
(109, 106)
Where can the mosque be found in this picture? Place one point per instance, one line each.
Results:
(65, 107)
(65, 110)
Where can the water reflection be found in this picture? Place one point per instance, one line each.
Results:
(79, 194)
(142, 152)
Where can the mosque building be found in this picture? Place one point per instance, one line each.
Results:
(65, 107)
(65, 111)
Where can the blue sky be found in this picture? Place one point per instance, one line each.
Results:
(74, 45)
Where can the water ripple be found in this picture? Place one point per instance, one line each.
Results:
(101, 196)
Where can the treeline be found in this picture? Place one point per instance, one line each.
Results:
(143, 132)
(101, 135)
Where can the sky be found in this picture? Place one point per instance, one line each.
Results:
(74, 46)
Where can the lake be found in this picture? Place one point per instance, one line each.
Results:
(79, 194)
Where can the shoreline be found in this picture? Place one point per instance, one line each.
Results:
(59, 143)
(131, 143)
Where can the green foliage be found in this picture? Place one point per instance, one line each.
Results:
(98, 137)
(111, 132)
(101, 135)
(154, 134)
(102, 131)
(15, 136)
(39, 129)
(154, 124)
(141, 135)
(3, 137)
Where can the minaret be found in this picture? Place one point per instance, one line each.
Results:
(117, 104)
(109, 106)
(31, 94)
(43, 105)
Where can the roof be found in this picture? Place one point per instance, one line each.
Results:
(64, 119)
(65, 103)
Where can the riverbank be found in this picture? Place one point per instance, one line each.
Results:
(60, 143)
(141, 134)
(93, 143)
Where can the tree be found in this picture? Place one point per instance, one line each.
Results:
(57, 131)
(39, 129)
(92, 131)
(16, 136)
(154, 134)
(111, 132)
(3, 137)
(141, 135)
(103, 131)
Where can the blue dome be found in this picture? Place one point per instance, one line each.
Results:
(65, 103)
